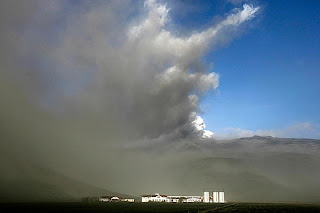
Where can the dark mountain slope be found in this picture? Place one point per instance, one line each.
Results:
(23, 182)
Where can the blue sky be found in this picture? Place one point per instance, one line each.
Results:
(269, 73)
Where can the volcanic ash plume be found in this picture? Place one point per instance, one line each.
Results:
(82, 80)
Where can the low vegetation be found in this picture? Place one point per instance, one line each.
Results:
(160, 207)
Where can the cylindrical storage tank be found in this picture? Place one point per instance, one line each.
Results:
(206, 197)
(216, 197)
(221, 197)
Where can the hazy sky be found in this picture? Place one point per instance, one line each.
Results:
(120, 92)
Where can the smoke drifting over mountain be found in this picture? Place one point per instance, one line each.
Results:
(105, 93)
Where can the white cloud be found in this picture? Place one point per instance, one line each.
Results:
(231, 132)
(207, 134)
(247, 13)
(198, 123)
(199, 127)
(236, 2)
(298, 130)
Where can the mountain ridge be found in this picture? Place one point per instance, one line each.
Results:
(47, 185)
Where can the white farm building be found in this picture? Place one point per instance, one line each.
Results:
(115, 199)
(154, 198)
(208, 197)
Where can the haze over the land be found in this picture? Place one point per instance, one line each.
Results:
(108, 93)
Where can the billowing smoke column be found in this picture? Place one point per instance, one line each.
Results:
(170, 84)
(138, 72)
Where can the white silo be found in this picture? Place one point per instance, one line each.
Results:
(215, 197)
(221, 197)
(206, 197)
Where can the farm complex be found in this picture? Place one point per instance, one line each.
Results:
(208, 197)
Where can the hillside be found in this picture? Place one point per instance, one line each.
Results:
(23, 182)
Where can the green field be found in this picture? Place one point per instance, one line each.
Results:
(159, 207)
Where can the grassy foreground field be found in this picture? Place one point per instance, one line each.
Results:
(159, 207)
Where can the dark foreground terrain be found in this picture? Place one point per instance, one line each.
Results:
(158, 207)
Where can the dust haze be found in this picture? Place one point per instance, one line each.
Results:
(107, 93)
